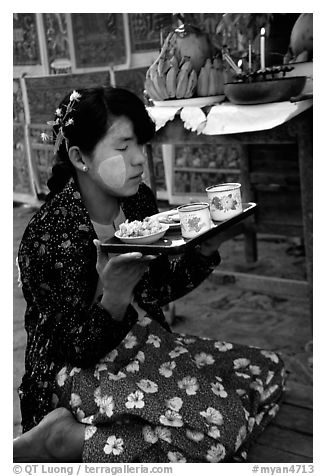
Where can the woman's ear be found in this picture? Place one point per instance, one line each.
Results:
(76, 158)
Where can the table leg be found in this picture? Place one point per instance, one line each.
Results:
(305, 155)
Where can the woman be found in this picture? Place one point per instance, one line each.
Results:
(97, 341)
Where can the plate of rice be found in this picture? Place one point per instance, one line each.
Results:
(143, 232)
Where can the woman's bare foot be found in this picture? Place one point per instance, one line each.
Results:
(58, 438)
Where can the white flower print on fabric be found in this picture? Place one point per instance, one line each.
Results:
(111, 356)
(179, 350)
(195, 436)
(251, 424)
(216, 453)
(246, 413)
(171, 418)
(268, 392)
(163, 434)
(274, 410)
(154, 340)
(241, 437)
(135, 400)
(270, 376)
(259, 418)
(113, 446)
(140, 357)
(147, 386)
(189, 384)
(174, 403)
(62, 376)
(214, 432)
(241, 363)
(257, 385)
(254, 369)
(130, 341)
(100, 367)
(80, 415)
(176, 457)
(75, 400)
(149, 434)
(145, 321)
(90, 430)
(88, 420)
(74, 370)
(223, 346)
(203, 359)
(185, 340)
(120, 375)
(241, 374)
(133, 366)
(105, 402)
(166, 368)
(219, 390)
(212, 416)
(240, 392)
(270, 355)
(153, 435)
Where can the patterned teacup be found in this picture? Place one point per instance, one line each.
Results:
(195, 219)
(224, 200)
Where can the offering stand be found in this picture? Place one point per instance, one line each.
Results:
(281, 124)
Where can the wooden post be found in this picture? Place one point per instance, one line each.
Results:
(247, 193)
(150, 163)
(305, 155)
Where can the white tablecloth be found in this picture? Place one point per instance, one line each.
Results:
(227, 118)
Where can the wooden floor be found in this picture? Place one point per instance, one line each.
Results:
(289, 439)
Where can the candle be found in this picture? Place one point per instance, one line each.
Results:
(262, 48)
(249, 58)
(240, 64)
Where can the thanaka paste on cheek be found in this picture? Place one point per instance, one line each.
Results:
(113, 171)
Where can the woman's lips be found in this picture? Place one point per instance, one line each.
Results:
(137, 177)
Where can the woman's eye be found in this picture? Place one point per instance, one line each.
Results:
(121, 150)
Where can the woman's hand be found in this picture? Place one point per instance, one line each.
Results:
(211, 245)
(119, 276)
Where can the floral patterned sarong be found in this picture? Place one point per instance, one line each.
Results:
(163, 397)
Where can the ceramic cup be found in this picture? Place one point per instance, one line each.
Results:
(224, 200)
(195, 219)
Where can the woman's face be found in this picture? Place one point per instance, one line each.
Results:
(117, 162)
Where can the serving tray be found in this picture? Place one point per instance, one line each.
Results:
(173, 243)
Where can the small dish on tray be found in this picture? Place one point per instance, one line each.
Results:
(169, 217)
(191, 102)
(143, 240)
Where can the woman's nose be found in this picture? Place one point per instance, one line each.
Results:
(139, 157)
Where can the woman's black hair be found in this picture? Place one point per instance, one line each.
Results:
(92, 115)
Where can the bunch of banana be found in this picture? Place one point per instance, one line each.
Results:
(167, 79)
(211, 78)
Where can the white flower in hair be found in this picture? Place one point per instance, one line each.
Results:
(74, 96)
(45, 137)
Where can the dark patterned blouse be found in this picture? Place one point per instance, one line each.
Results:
(57, 261)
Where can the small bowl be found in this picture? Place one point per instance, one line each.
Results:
(143, 240)
(266, 91)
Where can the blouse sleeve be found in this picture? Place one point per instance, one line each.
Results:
(57, 286)
(170, 279)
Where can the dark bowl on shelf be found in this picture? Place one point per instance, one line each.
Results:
(265, 91)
